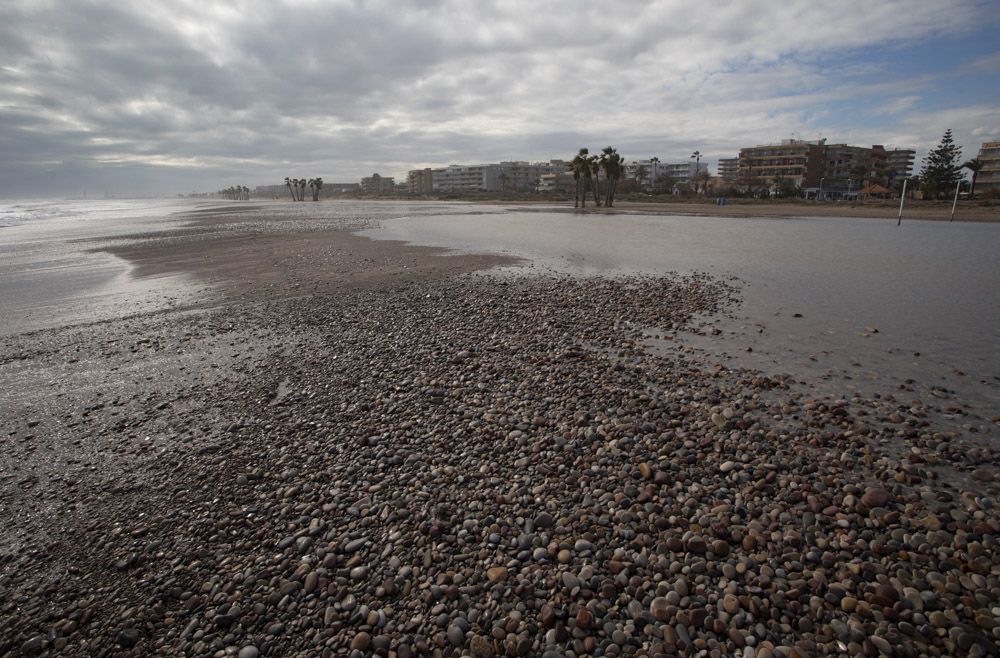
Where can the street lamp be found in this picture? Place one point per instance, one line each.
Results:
(697, 169)
(819, 195)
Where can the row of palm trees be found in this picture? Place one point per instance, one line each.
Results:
(236, 193)
(297, 187)
(587, 168)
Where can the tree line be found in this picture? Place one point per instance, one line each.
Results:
(586, 169)
(297, 187)
(236, 193)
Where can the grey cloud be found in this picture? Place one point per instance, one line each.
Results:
(174, 94)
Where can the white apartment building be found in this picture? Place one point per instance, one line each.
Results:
(467, 178)
(512, 176)
(679, 173)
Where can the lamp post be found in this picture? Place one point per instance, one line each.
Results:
(819, 195)
(697, 159)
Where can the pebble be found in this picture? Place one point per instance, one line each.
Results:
(451, 466)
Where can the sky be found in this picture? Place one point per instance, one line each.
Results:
(172, 96)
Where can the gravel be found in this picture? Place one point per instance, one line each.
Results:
(494, 465)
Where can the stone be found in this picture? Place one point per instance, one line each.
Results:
(480, 647)
(496, 574)
(248, 651)
(128, 638)
(875, 497)
(658, 607)
(456, 635)
(361, 641)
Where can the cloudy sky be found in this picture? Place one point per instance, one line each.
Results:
(180, 95)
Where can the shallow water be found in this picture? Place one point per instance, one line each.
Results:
(815, 290)
(48, 274)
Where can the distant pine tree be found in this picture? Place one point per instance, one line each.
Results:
(942, 168)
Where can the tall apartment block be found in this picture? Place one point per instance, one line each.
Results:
(899, 162)
(376, 184)
(729, 169)
(420, 181)
(988, 179)
(793, 160)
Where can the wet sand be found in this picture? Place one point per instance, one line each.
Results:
(933, 211)
(350, 447)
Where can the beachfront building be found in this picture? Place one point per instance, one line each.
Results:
(341, 188)
(271, 192)
(899, 163)
(520, 176)
(792, 162)
(988, 178)
(562, 181)
(683, 173)
(650, 174)
(420, 181)
(467, 178)
(847, 169)
(729, 169)
(376, 185)
(645, 172)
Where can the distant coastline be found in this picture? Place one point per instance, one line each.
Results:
(978, 210)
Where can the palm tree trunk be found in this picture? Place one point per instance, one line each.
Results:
(597, 185)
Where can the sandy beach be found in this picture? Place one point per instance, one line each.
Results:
(345, 446)
(966, 211)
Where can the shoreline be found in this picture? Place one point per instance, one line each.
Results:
(349, 447)
(939, 213)
(979, 210)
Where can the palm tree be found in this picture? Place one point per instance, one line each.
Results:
(973, 165)
(611, 162)
(654, 162)
(582, 164)
(594, 165)
(697, 167)
(288, 184)
(302, 188)
(319, 186)
(576, 166)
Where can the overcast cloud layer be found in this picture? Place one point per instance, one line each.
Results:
(182, 95)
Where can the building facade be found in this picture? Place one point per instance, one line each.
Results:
(420, 181)
(518, 176)
(847, 169)
(376, 184)
(988, 178)
(556, 182)
(729, 169)
(467, 178)
(899, 163)
(651, 174)
(793, 162)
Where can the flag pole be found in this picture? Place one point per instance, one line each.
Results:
(955, 201)
(902, 197)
